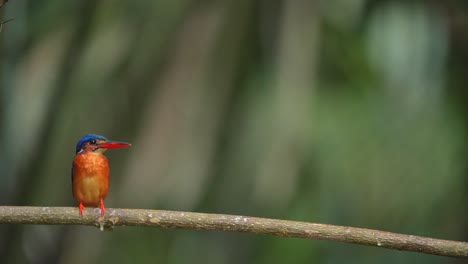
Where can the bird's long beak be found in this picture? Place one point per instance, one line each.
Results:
(114, 144)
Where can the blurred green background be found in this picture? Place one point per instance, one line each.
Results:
(342, 112)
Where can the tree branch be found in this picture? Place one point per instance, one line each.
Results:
(232, 223)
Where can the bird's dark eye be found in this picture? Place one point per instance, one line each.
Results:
(92, 142)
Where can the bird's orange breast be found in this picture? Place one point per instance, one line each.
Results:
(90, 178)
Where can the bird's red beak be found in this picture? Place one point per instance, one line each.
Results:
(114, 144)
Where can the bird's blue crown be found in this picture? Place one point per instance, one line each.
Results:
(87, 138)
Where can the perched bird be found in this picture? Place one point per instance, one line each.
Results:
(90, 171)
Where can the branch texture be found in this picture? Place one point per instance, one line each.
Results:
(232, 223)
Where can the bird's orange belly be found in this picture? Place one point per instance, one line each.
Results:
(90, 190)
(90, 179)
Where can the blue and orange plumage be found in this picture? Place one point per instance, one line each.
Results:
(90, 171)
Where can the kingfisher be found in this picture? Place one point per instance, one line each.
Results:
(90, 171)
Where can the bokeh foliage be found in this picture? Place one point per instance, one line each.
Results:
(342, 112)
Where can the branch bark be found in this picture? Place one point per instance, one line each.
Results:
(231, 223)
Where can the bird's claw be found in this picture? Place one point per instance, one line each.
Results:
(103, 209)
(81, 208)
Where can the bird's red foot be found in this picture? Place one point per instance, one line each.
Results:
(81, 208)
(103, 209)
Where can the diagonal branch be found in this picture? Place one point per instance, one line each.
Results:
(232, 223)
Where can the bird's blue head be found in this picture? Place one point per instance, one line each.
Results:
(98, 144)
(87, 138)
